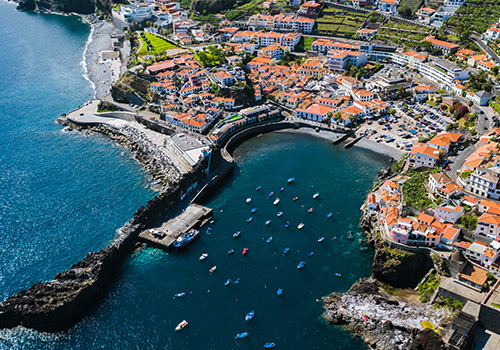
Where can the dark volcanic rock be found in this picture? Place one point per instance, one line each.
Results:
(427, 340)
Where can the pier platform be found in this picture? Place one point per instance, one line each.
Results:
(193, 217)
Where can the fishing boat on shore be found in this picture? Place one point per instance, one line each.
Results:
(249, 200)
(237, 234)
(250, 315)
(181, 326)
(269, 240)
(269, 345)
(250, 219)
(186, 238)
(290, 180)
(316, 195)
(227, 283)
(301, 226)
(286, 250)
(242, 335)
(268, 222)
(279, 292)
(203, 256)
(276, 201)
(301, 265)
(280, 213)
(212, 269)
(179, 295)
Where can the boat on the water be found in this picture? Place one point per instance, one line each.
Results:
(321, 239)
(181, 326)
(270, 194)
(282, 189)
(249, 200)
(268, 222)
(229, 252)
(286, 250)
(338, 274)
(279, 292)
(203, 256)
(179, 295)
(242, 335)
(311, 254)
(287, 225)
(280, 213)
(276, 201)
(258, 188)
(295, 198)
(269, 345)
(310, 210)
(301, 264)
(250, 219)
(212, 269)
(186, 238)
(250, 315)
(316, 195)
(253, 210)
(329, 215)
(227, 283)
(269, 240)
(245, 251)
(237, 234)
(290, 180)
(301, 225)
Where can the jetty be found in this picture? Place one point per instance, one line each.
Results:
(193, 217)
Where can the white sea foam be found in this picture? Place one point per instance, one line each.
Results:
(84, 63)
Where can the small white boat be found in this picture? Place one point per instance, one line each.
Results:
(290, 180)
(301, 225)
(203, 256)
(321, 239)
(249, 200)
(316, 195)
(276, 201)
(212, 269)
(181, 326)
(268, 222)
(279, 214)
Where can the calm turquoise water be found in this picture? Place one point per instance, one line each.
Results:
(64, 194)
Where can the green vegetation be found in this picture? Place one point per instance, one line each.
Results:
(232, 9)
(210, 57)
(304, 43)
(406, 35)
(453, 305)
(428, 288)
(425, 139)
(480, 81)
(337, 22)
(407, 8)
(396, 167)
(495, 104)
(466, 174)
(468, 222)
(476, 15)
(155, 43)
(414, 191)
(495, 305)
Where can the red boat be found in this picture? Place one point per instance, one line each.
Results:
(244, 251)
(310, 210)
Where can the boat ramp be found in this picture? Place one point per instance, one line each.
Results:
(193, 217)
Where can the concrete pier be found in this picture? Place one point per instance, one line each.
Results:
(193, 217)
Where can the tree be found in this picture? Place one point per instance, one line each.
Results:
(337, 116)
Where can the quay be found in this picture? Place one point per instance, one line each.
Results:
(193, 217)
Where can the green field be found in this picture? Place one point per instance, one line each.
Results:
(337, 22)
(407, 8)
(476, 15)
(157, 45)
(406, 35)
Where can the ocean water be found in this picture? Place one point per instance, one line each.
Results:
(63, 195)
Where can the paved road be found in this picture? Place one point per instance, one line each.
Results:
(458, 160)
(485, 47)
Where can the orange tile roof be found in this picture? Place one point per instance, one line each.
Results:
(430, 151)
(450, 232)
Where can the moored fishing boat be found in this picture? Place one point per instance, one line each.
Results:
(316, 195)
(237, 234)
(181, 326)
(279, 292)
(250, 219)
(290, 180)
(270, 194)
(295, 198)
(250, 315)
(227, 283)
(321, 239)
(276, 201)
(287, 224)
(311, 254)
(245, 251)
(301, 265)
(329, 215)
(203, 256)
(179, 295)
(286, 250)
(258, 188)
(242, 335)
(338, 274)
(268, 222)
(269, 240)
(249, 200)
(280, 213)
(269, 345)
(281, 189)
(231, 251)
(212, 269)
(310, 210)
(186, 238)
(253, 210)
(301, 226)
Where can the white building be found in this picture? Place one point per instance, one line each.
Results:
(485, 183)
(448, 213)
(135, 13)
(423, 156)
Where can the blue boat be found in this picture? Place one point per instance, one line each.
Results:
(338, 274)
(280, 213)
(321, 239)
(269, 345)
(301, 265)
(282, 189)
(329, 215)
(242, 335)
(269, 240)
(287, 225)
(229, 252)
(254, 210)
(179, 295)
(227, 283)
(250, 219)
(311, 254)
(270, 194)
(279, 292)
(258, 188)
(250, 315)
(186, 238)
(286, 250)
(237, 234)
(268, 222)
(290, 180)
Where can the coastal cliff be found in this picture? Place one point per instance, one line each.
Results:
(67, 6)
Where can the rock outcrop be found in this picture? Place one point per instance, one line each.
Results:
(383, 321)
(67, 6)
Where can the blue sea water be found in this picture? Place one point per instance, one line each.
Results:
(63, 195)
